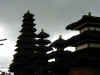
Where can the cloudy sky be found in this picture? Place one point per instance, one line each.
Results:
(52, 15)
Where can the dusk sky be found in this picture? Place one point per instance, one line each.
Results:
(52, 15)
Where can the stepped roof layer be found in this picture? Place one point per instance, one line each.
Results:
(86, 37)
(57, 54)
(59, 43)
(86, 19)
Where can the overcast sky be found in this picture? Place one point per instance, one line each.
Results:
(52, 15)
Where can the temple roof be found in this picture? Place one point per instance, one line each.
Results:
(58, 54)
(88, 36)
(28, 14)
(59, 43)
(88, 56)
(83, 20)
(42, 34)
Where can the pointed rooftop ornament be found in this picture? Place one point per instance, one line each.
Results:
(42, 30)
(89, 13)
(59, 43)
(28, 13)
(60, 36)
(43, 34)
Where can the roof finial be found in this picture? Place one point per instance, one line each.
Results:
(28, 11)
(42, 30)
(89, 13)
(60, 36)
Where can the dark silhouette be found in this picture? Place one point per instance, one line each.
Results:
(86, 58)
(62, 58)
(31, 57)
(23, 63)
(43, 48)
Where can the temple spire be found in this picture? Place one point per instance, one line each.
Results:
(28, 11)
(59, 44)
(89, 13)
(60, 36)
(26, 48)
(42, 30)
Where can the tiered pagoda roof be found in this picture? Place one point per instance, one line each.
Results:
(59, 54)
(86, 37)
(59, 43)
(86, 20)
(87, 43)
(62, 58)
(43, 34)
(43, 41)
(26, 46)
